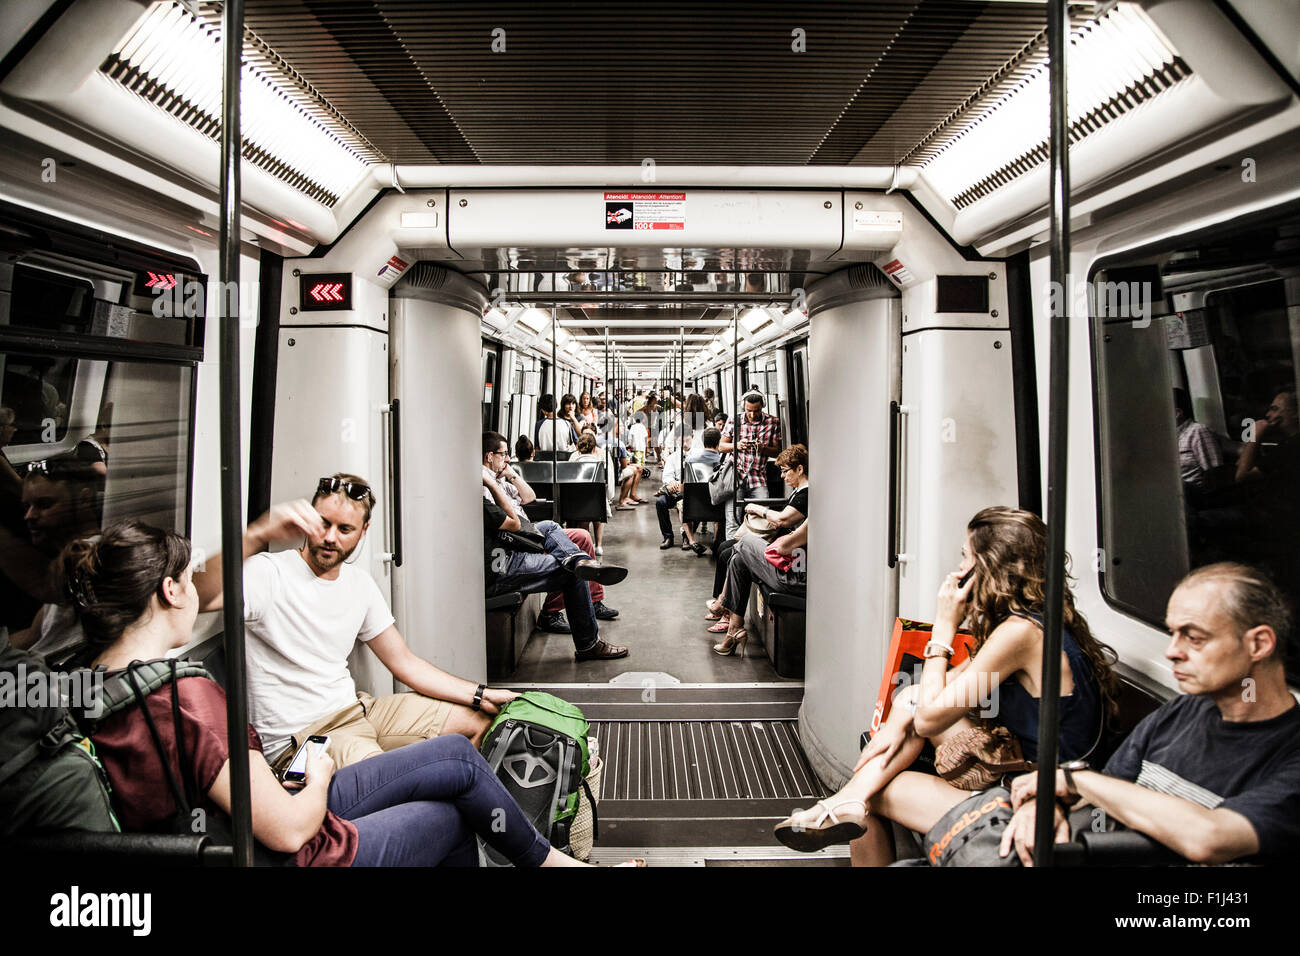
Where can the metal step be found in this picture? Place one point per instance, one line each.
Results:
(720, 856)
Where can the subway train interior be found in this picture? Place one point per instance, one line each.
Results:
(452, 216)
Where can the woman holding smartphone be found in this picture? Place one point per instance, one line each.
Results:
(418, 805)
(999, 589)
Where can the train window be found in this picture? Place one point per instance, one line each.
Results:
(83, 443)
(1198, 436)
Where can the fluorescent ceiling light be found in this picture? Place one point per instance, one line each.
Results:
(174, 60)
(1106, 58)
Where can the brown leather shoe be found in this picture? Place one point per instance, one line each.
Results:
(601, 651)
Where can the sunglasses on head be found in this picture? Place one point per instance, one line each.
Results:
(355, 490)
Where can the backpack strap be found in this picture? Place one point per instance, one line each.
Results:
(181, 802)
(117, 694)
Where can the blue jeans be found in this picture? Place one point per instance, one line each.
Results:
(422, 805)
(534, 573)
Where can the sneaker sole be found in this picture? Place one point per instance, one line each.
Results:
(600, 657)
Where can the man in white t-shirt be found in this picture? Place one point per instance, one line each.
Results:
(305, 609)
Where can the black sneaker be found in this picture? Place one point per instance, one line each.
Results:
(603, 612)
(554, 622)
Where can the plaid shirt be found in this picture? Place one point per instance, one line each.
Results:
(749, 463)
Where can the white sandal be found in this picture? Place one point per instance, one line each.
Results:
(817, 836)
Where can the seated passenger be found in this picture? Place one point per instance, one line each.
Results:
(1006, 549)
(420, 805)
(1199, 455)
(563, 567)
(305, 609)
(706, 453)
(1214, 774)
(751, 560)
(586, 451)
(524, 449)
(497, 467)
(793, 464)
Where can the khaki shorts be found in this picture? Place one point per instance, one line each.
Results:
(371, 726)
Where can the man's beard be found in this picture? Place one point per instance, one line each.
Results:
(326, 559)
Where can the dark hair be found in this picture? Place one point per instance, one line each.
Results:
(368, 502)
(546, 403)
(1183, 402)
(712, 437)
(753, 395)
(492, 441)
(1251, 599)
(569, 399)
(1009, 548)
(524, 448)
(793, 457)
(110, 579)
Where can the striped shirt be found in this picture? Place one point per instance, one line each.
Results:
(750, 463)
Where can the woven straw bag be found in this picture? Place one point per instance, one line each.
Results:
(582, 834)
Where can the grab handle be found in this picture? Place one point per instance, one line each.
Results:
(395, 423)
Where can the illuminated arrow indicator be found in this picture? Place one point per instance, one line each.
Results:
(163, 280)
(327, 292)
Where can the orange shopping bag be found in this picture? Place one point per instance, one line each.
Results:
(905, 659)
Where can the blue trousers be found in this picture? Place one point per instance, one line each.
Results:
(423, 804)
(533, 573)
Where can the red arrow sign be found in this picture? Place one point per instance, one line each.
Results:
(160, 281)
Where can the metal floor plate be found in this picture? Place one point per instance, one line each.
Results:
(689, 767)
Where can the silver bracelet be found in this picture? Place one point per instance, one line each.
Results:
(941, 650)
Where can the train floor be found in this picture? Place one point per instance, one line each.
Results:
(661, 615)
(701, 754)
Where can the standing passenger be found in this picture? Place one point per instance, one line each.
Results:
(758, 440)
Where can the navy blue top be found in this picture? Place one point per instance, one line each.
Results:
(1080, 711)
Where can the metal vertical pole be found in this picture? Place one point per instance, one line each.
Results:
(735, 408)
(555, 419)
(232, 524)
(681, 412)
(1057, 432)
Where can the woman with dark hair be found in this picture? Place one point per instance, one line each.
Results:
(569, 413)
(418, 805)
(999, 589)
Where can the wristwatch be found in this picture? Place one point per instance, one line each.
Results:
(1068, 768)
(479, 691)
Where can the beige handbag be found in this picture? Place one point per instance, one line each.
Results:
(765, 529)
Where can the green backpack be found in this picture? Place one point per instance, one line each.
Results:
(50, 778)
(537, 745)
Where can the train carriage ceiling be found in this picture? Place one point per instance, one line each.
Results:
(856, 83)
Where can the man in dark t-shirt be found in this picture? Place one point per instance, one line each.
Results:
(1215, 774)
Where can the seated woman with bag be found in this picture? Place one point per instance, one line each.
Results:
(418, 805)
(999, 589)
(767, 523)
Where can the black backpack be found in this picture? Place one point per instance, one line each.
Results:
(50, 778)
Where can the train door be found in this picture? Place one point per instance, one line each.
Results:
(797, 358)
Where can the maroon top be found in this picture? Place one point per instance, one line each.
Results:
(141, 794)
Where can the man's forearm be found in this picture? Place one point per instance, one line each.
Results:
(1186, 828)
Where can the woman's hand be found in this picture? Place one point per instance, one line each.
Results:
(886, 741)
(784, 546)
(950, 606)
(755, 510)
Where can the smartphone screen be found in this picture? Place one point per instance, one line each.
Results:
(966, 577)
(298, 767)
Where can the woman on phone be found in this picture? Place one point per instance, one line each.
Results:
(418, 805)
(999, 588)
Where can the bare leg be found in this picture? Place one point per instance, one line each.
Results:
(914, 800)
(690, 531)
(598, 532)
